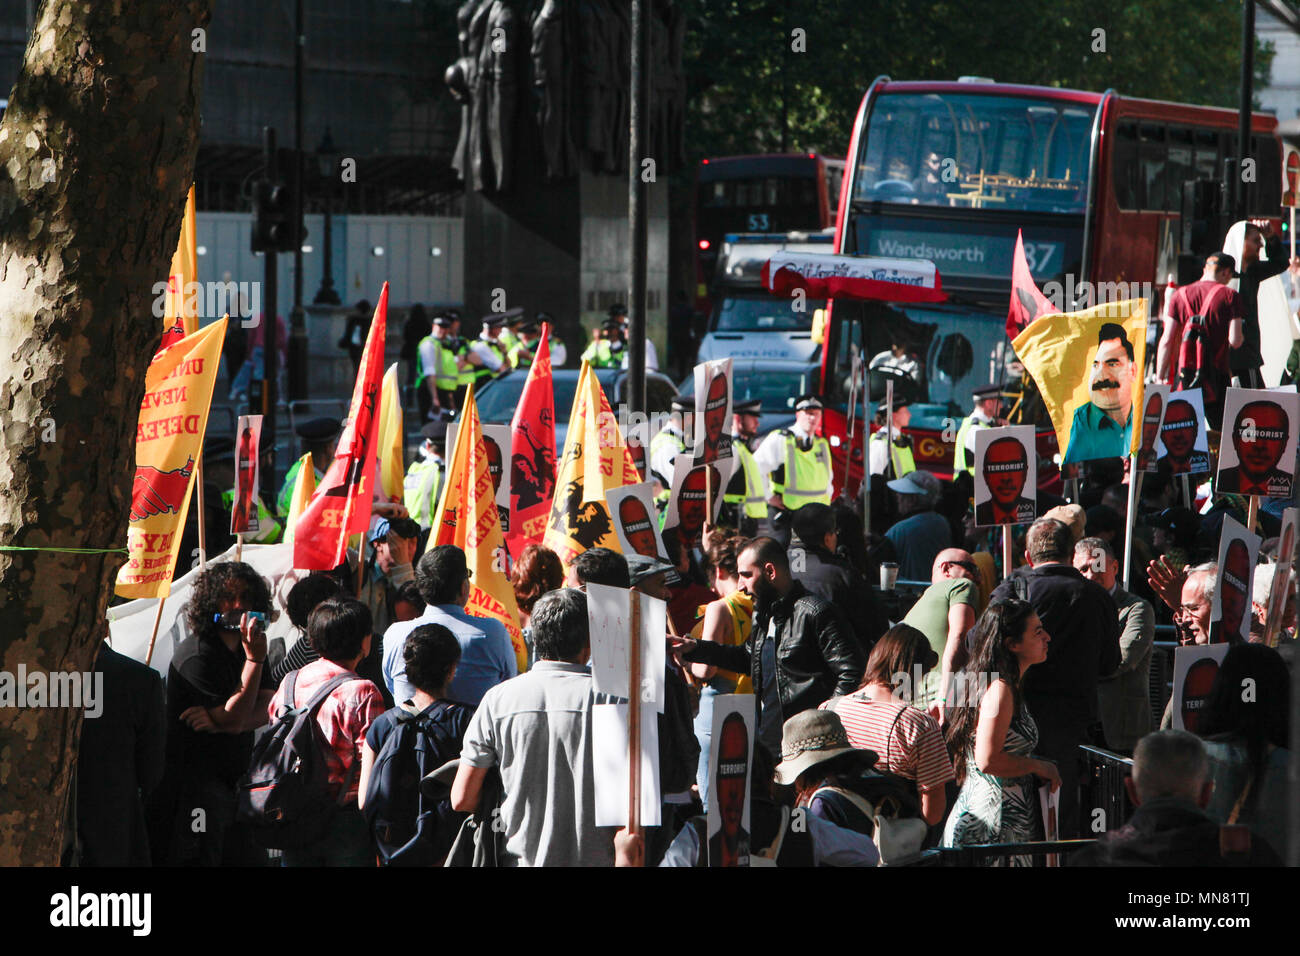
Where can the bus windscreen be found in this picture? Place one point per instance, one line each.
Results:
(975, 151)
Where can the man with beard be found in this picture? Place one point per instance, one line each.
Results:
(797, 654)
(1179, 436)
(1006, 466)
(745, 502)
(1103, 427)
(1259, 437)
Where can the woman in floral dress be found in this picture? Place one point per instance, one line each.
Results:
(992, 737)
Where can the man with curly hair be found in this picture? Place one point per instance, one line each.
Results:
(218, 688)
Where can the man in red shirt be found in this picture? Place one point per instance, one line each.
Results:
(339, 630)
(1222, 311)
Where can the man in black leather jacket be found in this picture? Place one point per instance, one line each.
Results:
(798, 654)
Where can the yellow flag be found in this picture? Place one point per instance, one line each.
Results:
(181, 316)
(467, 517)
(392, 471)
(168, 443)
(1088, 366)
(304, 486)
(595, 460)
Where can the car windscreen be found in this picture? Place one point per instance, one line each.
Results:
(764, 314)
(498, 403)
(776, 388)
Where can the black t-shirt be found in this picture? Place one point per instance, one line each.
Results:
(204, 672)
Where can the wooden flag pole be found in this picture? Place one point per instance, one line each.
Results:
(1187, 490)
(199, 518)
(1134, 487)
(1252, 513)
(1006, 551)
(239, 546)
(634, 718)
(361, 563)
(153, 635)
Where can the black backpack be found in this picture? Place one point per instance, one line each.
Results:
(405, 824)
(285, 796)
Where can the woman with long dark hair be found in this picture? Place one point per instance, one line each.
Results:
(879, 716)
(992, 735)
(1244, 726)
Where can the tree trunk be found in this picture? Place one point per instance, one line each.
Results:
(96, 155)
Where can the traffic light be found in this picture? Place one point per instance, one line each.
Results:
(273, 218)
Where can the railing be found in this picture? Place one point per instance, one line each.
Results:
(1103, 799)
(982, 854)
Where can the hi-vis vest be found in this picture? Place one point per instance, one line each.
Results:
(600, 355)
(960, 461)
(806, 473)
(444, 373)
(284, 501)
(268, 529)
(516, 354)
(464, 377)
(755, 502)
(483, 374)
(420, 490)
(900, 458)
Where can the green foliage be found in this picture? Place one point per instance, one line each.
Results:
(750, 93)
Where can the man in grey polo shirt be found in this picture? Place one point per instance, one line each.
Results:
(486, 655)
(536, 729)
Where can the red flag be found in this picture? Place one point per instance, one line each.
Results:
(532, 452)
(342, 503)
(1027, 303)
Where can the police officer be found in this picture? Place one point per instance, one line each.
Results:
(559, 354)
(651, 353)
(514, 318)
(988, 402)
(486, 353)
(318, 438)
(607, 350)
(745, 500)
(668, 444)
(437, 369)
(797, 464)
(466, 369)
(896, 460)
(424, 479)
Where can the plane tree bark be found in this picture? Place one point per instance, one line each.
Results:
(97, 152)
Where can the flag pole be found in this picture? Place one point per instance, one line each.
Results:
(153, 635)
(239, 547)
(1252, 513)
(1134, 486)
(1006, 551)
(199, 518)
(634, 718)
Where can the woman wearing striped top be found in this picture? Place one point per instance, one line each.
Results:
(907, 741)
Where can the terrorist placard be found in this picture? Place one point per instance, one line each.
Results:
(1006, 460)
(689, 505)
(729, 768)
(496, 441)
(1280, 588)
(243, 516)
(1153, 416)
(1183, 442)
(1230, 610)
(712, 411)
(1195, 668)
(635, 520)
(168, 442)
(609, 614)
(1088, 369)
(1260, 457)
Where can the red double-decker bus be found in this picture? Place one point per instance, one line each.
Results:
(794, 192)
(949, 171)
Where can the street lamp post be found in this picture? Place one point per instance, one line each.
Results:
(327, 160)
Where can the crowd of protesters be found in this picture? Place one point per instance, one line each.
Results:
(952, 718)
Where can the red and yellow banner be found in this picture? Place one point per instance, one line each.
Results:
(467, 517)
(392, 471)
(342, 505)
(532, 452)
(595, 460)
(168, 446)
(181, 316)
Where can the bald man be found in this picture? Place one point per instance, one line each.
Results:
(945, 612)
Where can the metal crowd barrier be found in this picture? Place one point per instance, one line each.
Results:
(981, 854)
(1102, 789)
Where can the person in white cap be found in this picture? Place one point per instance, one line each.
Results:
(796, 461)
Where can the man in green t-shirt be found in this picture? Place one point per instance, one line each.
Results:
(945, 612)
